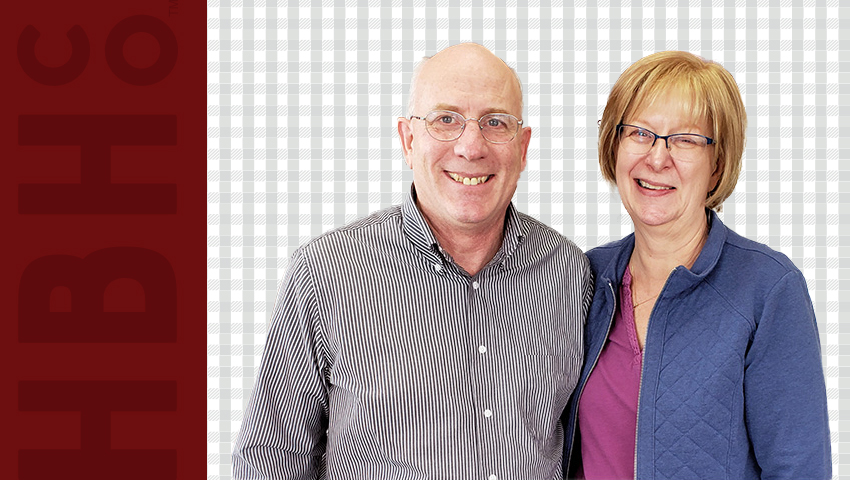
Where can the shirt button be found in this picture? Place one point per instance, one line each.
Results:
(437, 267)
(493, 477)
(475, 285)
(488, 413)
(482, 349)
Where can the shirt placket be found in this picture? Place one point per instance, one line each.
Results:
(487, 416)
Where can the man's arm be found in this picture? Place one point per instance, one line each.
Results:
(283, 433)
(588, 289)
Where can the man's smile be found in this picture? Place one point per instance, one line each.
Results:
(475, 180)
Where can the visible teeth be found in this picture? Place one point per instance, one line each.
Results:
(652, 187)
(469, 180)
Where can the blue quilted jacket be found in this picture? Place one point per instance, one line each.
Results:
(732, 384)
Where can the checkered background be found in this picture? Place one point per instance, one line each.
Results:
(302, 105)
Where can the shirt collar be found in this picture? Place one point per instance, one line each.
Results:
(415, 227)
(419, 234)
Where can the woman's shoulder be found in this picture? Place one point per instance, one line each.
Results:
(745, 255)
(749, 274)
(602, 255)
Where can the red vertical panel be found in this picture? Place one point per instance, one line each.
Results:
(104, 219)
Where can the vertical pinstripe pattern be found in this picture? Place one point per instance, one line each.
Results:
(385, 360)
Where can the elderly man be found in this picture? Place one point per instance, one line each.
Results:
(440, 338)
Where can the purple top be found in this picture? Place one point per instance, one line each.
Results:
(607, 413)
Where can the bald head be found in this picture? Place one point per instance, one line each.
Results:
(452, 65)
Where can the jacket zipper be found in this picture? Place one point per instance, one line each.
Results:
(640, 388)
(575, 420)
(643, 365)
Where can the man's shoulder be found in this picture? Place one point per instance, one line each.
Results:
(548, 237)
(378, 227)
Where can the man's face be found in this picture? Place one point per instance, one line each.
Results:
(469, 80)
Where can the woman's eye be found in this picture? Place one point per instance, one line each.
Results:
(685, 141)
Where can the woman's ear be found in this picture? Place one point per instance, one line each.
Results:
(716, 176)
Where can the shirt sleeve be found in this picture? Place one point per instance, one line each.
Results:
(283, 433)
(784, 388)
(589, 289)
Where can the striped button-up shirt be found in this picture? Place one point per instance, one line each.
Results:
(386, 360)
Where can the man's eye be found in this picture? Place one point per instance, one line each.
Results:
(495, 123)
(447, 119)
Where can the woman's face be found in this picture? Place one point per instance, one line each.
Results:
(656, 189)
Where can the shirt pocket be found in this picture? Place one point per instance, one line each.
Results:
(548, 382)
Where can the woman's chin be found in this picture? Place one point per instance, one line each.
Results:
(650, 217)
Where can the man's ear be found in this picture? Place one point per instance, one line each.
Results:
(525, 138)
(405, 134)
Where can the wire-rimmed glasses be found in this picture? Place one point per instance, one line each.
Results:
(445, 125)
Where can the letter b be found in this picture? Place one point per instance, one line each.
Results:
(87, 279)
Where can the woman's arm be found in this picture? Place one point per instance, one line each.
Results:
(784, 388)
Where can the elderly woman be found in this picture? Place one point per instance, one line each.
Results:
(702, 352)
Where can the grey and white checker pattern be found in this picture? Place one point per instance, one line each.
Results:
(303, 99)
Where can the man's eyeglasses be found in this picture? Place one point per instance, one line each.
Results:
(445, 125)
(686, 147)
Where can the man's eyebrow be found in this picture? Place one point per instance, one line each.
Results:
(455, 108)
(446, 106)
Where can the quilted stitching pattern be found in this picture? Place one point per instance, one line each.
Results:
(697, 389)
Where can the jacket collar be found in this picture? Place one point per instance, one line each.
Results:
(681, 278)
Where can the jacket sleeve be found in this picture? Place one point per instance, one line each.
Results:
(784, 388)
(571, 445)
(283, 433)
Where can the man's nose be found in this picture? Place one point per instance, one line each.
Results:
(471, 144)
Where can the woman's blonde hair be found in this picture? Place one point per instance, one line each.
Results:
(711, 94)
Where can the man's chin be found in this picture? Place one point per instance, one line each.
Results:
(473, 217)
